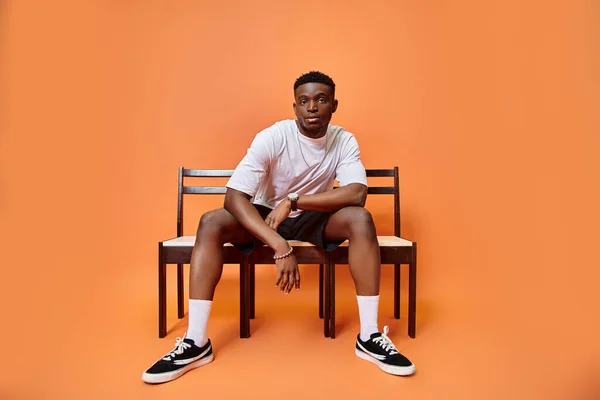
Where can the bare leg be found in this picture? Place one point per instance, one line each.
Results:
(195, 350)
(215, 229)
(356, 224)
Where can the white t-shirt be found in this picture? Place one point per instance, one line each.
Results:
(281, 160)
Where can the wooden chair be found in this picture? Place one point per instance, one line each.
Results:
(179, 249)
(393, 250)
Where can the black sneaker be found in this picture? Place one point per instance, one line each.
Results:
(380, 350)
(183, 358)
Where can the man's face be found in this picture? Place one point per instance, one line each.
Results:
(314, 106)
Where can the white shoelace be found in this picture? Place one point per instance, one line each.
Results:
(385, 342)
(180, 345)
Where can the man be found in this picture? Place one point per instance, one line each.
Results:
(280, 191)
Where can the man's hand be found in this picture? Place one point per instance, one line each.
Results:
(288, 274)
(279, 214)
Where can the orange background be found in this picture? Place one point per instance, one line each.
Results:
(490, 109)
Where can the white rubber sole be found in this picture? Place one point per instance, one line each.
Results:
(169, 376)
(390, 369)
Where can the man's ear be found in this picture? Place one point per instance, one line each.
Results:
(335, 105)
(294, 107)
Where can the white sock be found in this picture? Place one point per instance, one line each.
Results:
(199, 310)
(368, 307)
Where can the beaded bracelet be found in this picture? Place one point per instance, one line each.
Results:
(283, 255)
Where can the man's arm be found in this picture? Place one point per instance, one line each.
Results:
(238, 204)
(351, 175)
(244, 183)
(354, 194)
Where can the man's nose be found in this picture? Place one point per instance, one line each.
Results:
(312, 106)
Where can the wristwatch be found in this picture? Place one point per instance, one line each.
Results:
(293, 198)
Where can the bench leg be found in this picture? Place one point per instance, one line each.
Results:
(180, 292)
(321, 272)
(162, 294)
(252, 290)
(331, 298)
(397, 291)
(412, 293)
(244, 298)
(327, 298)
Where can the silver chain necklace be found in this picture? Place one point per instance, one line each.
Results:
(302, 153)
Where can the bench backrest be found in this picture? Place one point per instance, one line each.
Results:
(184, 189)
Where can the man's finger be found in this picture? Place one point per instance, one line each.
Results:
(290, 281)
(284, 282)
(278, 279)
(297, 278)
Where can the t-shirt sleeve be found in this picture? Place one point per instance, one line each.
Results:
(350, 169)
(254, 166)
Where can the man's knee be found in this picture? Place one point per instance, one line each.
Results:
(361, 215)
(212, 223)
(360, 221)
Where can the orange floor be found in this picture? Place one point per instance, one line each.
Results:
(96, 347)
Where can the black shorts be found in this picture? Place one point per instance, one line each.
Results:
(309, 226)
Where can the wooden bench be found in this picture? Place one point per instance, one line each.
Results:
(178, 250)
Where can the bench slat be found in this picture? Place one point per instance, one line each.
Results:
(223, 173)
(381, 190)
(223, 190)
(379, 172)
(384, 241)
(204, 190)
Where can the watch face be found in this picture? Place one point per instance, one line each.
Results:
(293, 196)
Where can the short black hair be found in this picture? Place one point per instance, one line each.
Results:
(314, 77)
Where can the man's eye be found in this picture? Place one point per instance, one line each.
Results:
(321, 100)
(302, 102)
